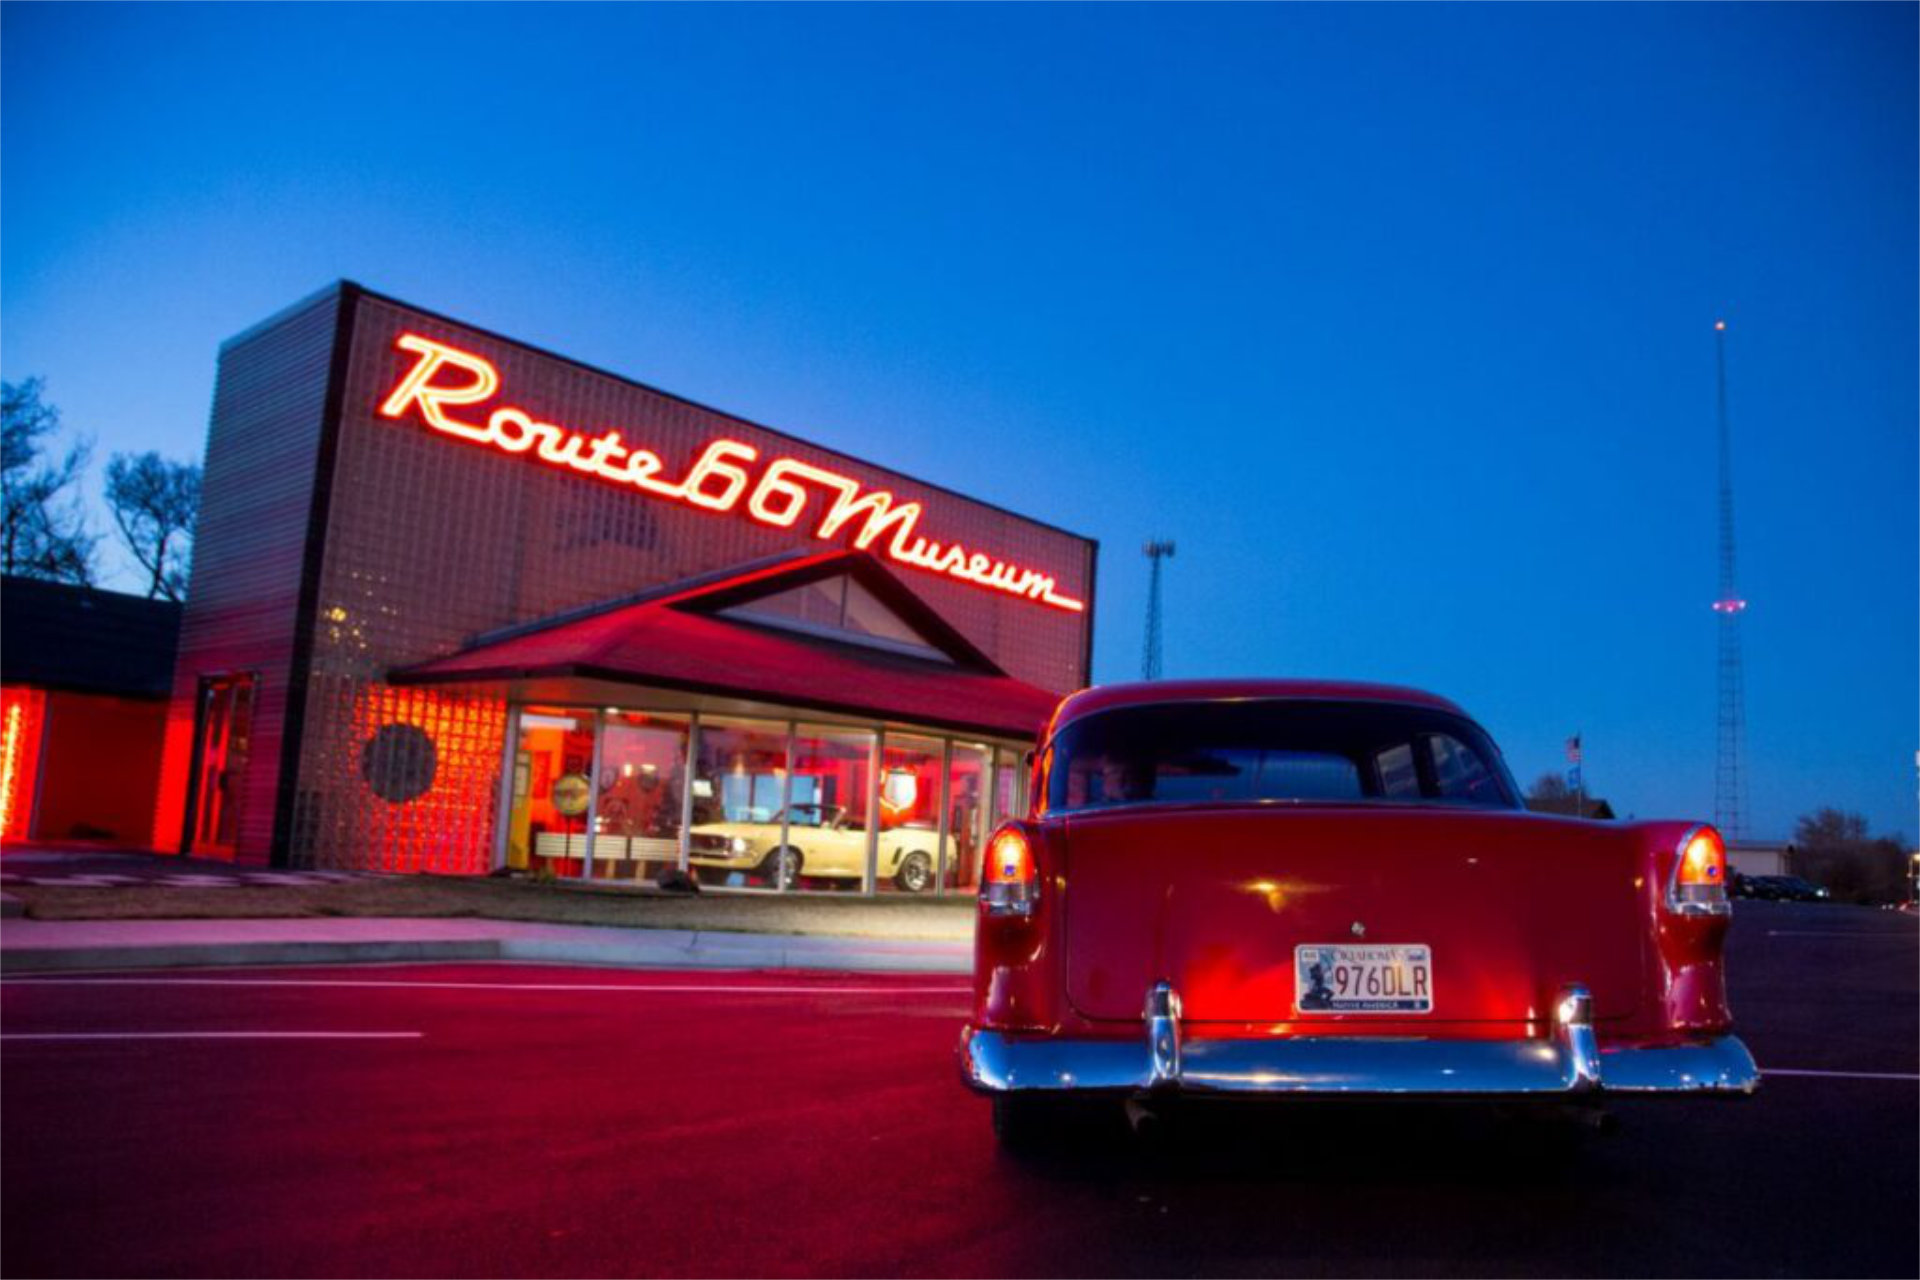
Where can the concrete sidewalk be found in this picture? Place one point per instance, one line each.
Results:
(42, 946)
(75, 885)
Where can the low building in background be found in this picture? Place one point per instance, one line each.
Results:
(84, 682)
(1760, 858)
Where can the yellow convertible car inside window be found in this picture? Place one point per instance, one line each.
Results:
(822, 842)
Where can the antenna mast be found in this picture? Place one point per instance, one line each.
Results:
(1155, 552)
(1729, 789)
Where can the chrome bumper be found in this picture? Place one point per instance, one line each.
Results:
(1570, 1062)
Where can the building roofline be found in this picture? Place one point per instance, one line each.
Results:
(351, 289)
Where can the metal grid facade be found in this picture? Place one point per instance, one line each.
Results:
(422, 541)
(250, 549)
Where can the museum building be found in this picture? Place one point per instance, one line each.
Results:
(461, 605)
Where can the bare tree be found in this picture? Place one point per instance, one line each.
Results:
(155, 504)
(1551, 794)
(1830, 830)
(43, 530)
(1833, 847)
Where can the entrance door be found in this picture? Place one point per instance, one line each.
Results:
(552, 786)
(223, 729)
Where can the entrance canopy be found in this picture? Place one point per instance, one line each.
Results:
(832, 632)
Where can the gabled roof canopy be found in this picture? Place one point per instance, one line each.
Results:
(699, 635)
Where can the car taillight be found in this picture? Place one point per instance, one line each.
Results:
(1011, 883)
(1699, 884)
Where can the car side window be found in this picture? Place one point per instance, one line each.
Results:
(1399, 779)
(1459, 774)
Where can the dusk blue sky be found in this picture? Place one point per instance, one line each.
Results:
(1397, 319)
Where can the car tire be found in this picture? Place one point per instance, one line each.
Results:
(781, 868)
(915, 874)
(1545, 1136)
(1024, 1124)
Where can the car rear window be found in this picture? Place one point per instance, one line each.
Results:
(1274, 751)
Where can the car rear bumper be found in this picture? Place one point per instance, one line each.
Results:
(995, 1063)
(1570, 1061)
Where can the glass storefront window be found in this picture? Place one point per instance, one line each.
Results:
(828, 826)
(547, 820)
(969, 817)
(910, 852)
(1009, 785)
(765, 804)
(739, 785)
(1009, 792)
(643, 763)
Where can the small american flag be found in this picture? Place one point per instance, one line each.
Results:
(1573, 749)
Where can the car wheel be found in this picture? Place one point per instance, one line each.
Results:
(782, 867)
(1550, 1134)
(915, 874)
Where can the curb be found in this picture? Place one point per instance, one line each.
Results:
(673, 950)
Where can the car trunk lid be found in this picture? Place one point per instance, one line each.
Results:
(1216, 899)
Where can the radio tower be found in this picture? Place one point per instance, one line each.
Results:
(1155, 552)
(1729, 807)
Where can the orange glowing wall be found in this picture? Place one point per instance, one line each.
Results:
(176, 763)
(99, 767)
(398, 808)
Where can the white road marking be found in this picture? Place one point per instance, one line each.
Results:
(10, 1037)
(668, 988)
(82, 882)
(1840, 1075)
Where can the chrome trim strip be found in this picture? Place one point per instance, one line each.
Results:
(1573, 1033)
(994, 1062)
(1722, 1065)
(1163, 1033)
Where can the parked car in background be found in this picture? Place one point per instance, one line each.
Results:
(1262, 890)
(1796, 889)
(822, 842)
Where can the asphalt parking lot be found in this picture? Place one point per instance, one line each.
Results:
(521, 1120)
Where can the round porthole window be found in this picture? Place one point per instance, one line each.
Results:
(398, 763)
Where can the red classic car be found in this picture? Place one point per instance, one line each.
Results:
(1272, 888)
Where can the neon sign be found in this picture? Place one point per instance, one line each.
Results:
(717, 481)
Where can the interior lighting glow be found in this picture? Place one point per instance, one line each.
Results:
(12, 732)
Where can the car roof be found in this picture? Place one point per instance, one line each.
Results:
(1147, 692)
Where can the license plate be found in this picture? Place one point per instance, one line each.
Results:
(1376, 979)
